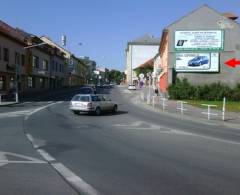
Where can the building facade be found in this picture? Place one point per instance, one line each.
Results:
(12, 60)
(139, 51)
(197, 46)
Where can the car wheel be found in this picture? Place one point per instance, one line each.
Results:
(115, 108)
(98, 111)
(75, 112)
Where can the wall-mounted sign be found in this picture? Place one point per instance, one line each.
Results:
(199, 40)
(197, 62)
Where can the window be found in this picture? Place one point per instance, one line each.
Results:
(45, 65)
(0, 52)
(23, 60)
(83, 98)
(56, 66)
(12, 83)
(95, 99)
(17, 58)
(5, 54)
(52, 65)
(35, 62)
(30, 82)
(42, 82)
(1, 83)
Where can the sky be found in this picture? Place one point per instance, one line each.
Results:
(101, 29)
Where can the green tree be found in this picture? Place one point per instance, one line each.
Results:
(116, 76)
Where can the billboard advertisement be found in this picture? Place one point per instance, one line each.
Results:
(197, 62)
(199, 40)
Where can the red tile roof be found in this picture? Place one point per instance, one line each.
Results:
(230, 15)
(146, 64)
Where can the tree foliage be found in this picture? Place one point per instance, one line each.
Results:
(116, 76)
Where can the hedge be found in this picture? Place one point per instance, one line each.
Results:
(182, 89)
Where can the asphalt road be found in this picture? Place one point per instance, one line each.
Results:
(135, 151)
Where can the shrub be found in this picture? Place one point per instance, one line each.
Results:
(182, 89)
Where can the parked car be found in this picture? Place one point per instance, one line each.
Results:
(132, 87)
(87, 90)
(198, 61)
(92, 103)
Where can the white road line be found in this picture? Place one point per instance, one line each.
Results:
(21, 162)
(138, 125)
(45, 155)
(31, 139)
(27, 159)
(74, 180)
(3, 158)
(15, 113)
(39, 109)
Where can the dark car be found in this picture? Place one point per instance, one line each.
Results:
(87, 90)
(198, 61)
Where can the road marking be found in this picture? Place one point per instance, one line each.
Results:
(15, 113)
(31, 139)
(45, 155)
(41, 108)
(74, 180)
(138, 125)
(22, 159)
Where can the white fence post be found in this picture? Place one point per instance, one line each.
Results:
(148, 99)
(181, 106)
(153, 101)
(163, 103)
(224, 109)
(209, 110)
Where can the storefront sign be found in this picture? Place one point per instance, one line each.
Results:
(199, 40)
(197, 62)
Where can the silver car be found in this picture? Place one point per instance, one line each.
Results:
(92, 103)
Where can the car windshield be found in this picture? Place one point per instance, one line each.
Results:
(197, 58)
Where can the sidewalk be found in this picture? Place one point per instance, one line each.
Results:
(7, 103)
(184, 110)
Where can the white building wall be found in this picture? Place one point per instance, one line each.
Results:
(142, 53)
(137, 55)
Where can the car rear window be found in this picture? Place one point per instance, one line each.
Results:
(81, 98)
(84, 98)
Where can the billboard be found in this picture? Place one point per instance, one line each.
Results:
(197, 62)
(199, 40)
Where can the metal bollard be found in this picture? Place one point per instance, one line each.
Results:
(16, 95)
(224, 109)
